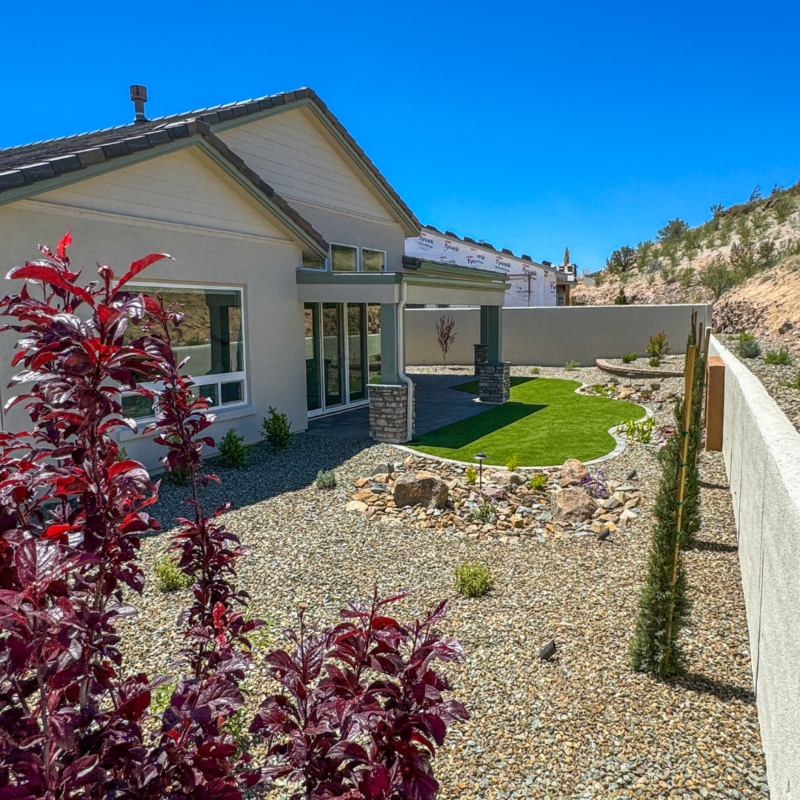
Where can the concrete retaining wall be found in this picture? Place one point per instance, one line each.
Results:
(553, 336)
(762, 457)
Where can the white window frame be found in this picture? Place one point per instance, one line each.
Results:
(225, 377)
(373, 250)
(359, 257)
(352, 247)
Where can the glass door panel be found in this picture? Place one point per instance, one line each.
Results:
(374, 342)
(313, 371)
(356, 345)
(332, 353)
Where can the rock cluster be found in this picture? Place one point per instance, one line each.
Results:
(438, 495)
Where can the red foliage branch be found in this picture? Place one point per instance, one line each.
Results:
(445, 334)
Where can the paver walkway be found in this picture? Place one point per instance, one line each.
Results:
(437, 405)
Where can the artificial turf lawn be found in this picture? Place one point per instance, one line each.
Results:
(544, 423)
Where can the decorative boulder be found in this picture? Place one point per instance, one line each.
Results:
(383, 469)
(423, 488)
(516, 479)
(574, 505)
(574, 470)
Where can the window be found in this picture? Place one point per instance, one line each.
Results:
(344, 258)
(211, 337)
(312, 262)
(373, 260)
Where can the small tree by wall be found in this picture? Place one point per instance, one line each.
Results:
(445, 334)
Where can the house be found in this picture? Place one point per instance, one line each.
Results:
(532, 283)
(289, 255)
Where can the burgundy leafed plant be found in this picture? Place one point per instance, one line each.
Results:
(72, 722)
(71, 513)
(363, 709)
(445, 334)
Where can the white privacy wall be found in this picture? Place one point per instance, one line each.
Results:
(553, 336)
(762, 458)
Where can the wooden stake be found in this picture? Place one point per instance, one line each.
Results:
(684, 450)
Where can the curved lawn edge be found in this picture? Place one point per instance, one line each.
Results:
(619, 449)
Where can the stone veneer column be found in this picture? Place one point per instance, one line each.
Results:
(494, 382)
(387, 412)
(481, 356)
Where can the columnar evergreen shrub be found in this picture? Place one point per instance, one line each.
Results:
(651, 649)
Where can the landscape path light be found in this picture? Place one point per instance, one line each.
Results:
(480, 458)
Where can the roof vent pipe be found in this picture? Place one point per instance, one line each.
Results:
(139, 97)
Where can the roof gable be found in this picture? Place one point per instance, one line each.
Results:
(184, 187)
(24, 165)
(76, 166)
(292, 152)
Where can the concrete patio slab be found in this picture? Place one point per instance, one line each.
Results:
(437, 405)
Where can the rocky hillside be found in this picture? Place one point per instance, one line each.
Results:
(746, 259)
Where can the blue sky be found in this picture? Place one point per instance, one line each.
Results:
(531, 125)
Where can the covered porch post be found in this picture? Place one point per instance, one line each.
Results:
(493, 374)
(389, 401)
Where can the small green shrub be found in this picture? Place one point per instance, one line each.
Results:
(657, 346)
(177, 477)
(471, 475)
(326, 479)
(513, 463)
(535, 370)
(122, 454)
(160, 697)
(621, 299)
(277, 430)
(783, 209)
(640, 430)
(629, 358)
(748, 348)
(232, 450)
(687, 277)
(796, 383)
(473, 580)
(484, 512)
(570, 365)
(654, 362)
(170, 578)
(538, 481)
(782, 356)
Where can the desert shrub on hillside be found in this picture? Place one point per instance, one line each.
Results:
(674, 229)
(747, 259)
(783, 208)
(717, 277)
(621, 261)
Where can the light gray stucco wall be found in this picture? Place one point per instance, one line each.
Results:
(339, 227)
(762, 458)
(274, 328)
(553, 336)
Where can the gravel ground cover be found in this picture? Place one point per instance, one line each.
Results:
(579, 726)
(672, 363)
(776, 378)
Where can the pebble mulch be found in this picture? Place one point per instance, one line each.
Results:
(579, 726)
(776, 378)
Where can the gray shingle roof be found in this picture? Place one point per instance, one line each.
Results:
(26, 164)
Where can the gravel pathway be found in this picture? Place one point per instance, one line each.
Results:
(580, 726)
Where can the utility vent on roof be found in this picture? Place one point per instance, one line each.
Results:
(139, 97)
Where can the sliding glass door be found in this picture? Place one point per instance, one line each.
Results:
(332, 353)
(356, 351)
(342, 349)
